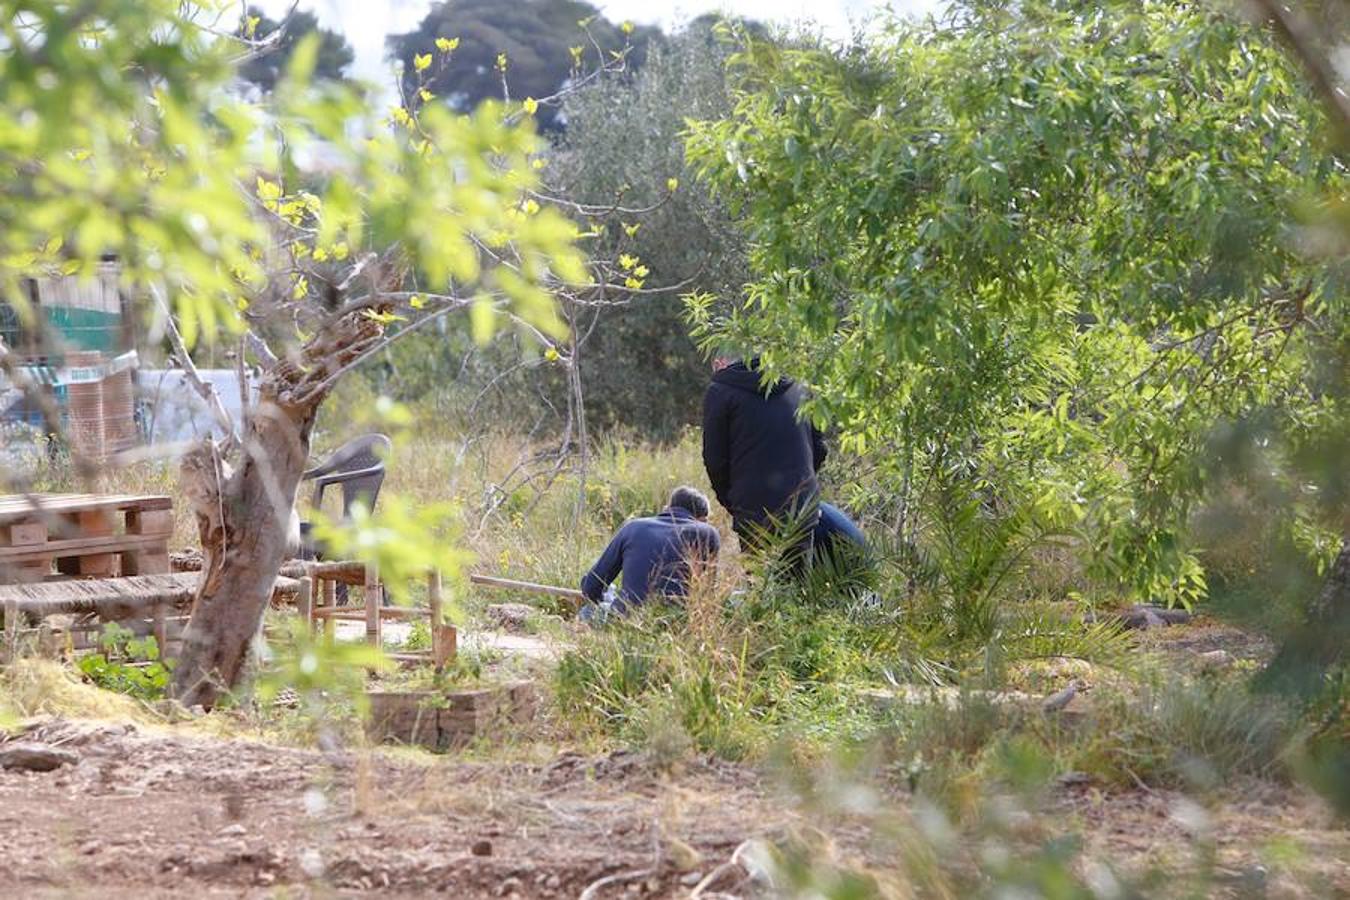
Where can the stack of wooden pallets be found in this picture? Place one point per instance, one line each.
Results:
(83, 535)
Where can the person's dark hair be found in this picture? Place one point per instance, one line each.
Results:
(690, 499)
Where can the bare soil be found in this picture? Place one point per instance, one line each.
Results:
(153, 813)
(156, 814)
(169, 811)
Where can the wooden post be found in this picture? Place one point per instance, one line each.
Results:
(153, 561)
(444, 643)
(304, 602)
(374, 600)
(161, 631)
(11, 629)
(434, 596)
(329, 601)
(444, 638)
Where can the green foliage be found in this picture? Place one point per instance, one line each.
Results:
(125, 141)
(1187, 735)
(127, 664)
(782, 660)
(419, 636)
(315, 665)
(720, 683)
(1040, 249)
(104, 148)
(402, 541)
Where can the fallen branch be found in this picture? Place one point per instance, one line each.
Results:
(730, 865)
(528, 586)
(593, 889)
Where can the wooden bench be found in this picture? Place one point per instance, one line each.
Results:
(320, 607)
(142, 602)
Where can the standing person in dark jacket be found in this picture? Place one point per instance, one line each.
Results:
(761, 458)
(655, 556)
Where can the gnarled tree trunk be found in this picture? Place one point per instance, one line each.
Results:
(243, 512)
(1321, 642)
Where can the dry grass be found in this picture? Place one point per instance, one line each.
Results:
(532, 534)
(44, 687)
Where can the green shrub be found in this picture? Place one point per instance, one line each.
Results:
(127, 664)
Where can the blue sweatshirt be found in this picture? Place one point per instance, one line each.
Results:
(653, 554)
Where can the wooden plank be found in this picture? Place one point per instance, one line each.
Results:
(410, 657)
(340, 613)
(21, 534)
(112, 596)
(36, 569)
(526, 586)
(106, 596)
(346, 572)
(117, 543)
(34, 507)
(152, 521)
(147, 562)
(361, 613)
(90, 523)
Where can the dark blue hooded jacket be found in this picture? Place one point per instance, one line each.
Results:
(653, 554)
(761, 460)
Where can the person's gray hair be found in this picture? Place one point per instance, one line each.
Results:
(690, 499)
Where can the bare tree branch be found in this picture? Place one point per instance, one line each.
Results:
(375, 347)
(260, 349)
(204, 388)
(1297, 35)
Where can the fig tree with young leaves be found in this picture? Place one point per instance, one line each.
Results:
(289, 230)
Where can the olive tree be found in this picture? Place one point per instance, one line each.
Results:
(623, 147)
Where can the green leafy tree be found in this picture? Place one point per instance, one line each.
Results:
(524, 49)
(1031, 256)
(266, 68)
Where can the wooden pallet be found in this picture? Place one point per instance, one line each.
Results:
(83, 535)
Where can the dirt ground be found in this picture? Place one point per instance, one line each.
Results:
(160, 814)
(154, 813)
(172, 811)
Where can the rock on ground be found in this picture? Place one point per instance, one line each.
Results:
(35, 757)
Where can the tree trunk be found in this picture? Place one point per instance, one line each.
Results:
(1321, 641)
(243, 514)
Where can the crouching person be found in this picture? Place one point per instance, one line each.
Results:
(837, 538)
(655, 555)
